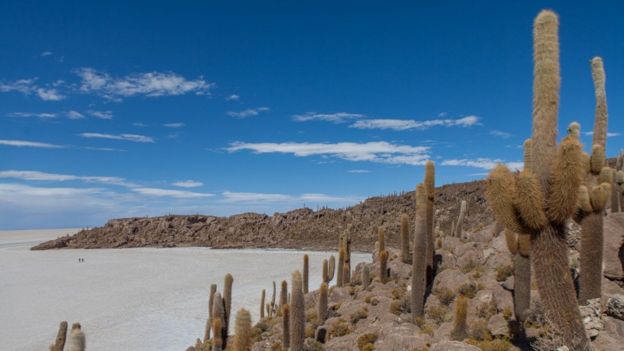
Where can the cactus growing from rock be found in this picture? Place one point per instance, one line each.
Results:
(558, 175)
(285, 326)
(332, 268)
(459, 227)
(77, 339)
(322, 303)
(405, 241)
(297, 314)
(227, 303)
(59, 343)
(242, 340)
(213, 291)
(306, 272)
(429, 184)
(460, 328)
(419, 256)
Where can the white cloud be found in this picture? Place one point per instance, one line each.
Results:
(46, 53)
(103, 149)
(174, 125)
(338, 117)
(25, 143)
(179, 194)
(137, 138)
(484, 163)
(233, 97)
(381, 152)
(145, 84)
(406, 124)
(74, 115)
(101, 114)
(358, 171)
(609, 134)
(250, 112)
(29, 86)
(42, 115)
(500, 134)
(139, 124)
(54, 177)
(49, 94)
(230, 196)
(188, 184)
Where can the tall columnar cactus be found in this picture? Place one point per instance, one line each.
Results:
(59, 343)
(283, 294)
(430, 192)
(405, 241)
(262, 297)
(227, 302)
(325, 275)
(242, 340)
(306, 272)
(419, 256)
(381, 239)
(297, 314)
(285, 327)
(273, 309)
(217, 340)
(460, 328)
(77, 339)
(347, 245)
(549, 191)
(383, 266)
(459, 228)
(598, 183)
(213, 291)
(332, 268)
(322, 303)
(218, 312)
(365, 277)
(340, 274)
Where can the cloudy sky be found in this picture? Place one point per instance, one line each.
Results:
(115, 109)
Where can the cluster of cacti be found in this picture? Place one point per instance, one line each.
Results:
(594, 195)
(77, 339)
(540, 199)
(405, 240)
(460, 328)
(297, 313)
(459, 227)
(419, 264)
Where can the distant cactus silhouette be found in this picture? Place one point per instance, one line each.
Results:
(405, 240)
(381, 238)
(242, 340)
(419, 257)
(297, 314)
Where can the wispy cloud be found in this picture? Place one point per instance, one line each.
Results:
(188, 184)
(139, 124)
(381, 152)
(233, 97)
(500, 134)
(609, 134)
(137, 138)
(174, 125)
(26, 143)
(54, 177)
(406, 124)
(103, 149)
(358, 171)
(179, 194)
(140, 84)
(101, 114)
(42, 115)
(250, 112)
(46, 53)
(484, 163)
(229, 196)
(74, 115)
(337, 117)
(28, 87)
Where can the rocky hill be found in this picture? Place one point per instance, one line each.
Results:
(301, 228)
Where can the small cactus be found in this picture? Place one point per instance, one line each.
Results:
(460, 328)
(218, 312)
(297, 314)
(242, 340)
(306, 267)
(405, 241)
(77, 339)
(322, 303)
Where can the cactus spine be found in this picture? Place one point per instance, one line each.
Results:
(59, 343)
(558, 174)
(332, 268)
(227, 302)
(460, 327)
(242, 340)
(405, 241)
(430, 192)
(297, 314)
(322, 303)
(77, 339)
(213, 291)
(306, 272)
(460, 220)
(285, 326)
(419, 256)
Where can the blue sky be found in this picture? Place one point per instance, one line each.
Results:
(111, 109)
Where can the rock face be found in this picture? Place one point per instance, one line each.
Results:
(615, 307)
(301, 228)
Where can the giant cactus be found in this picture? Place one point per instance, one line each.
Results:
(419, 264)
(297, 314)
(430, 192)
(551, 182)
